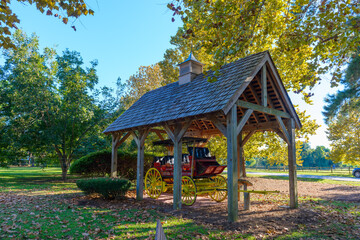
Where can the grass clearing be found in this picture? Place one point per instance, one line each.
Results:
(343, 173)
(35, 204)
(348, 183)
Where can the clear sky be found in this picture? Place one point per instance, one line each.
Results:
(123, 35)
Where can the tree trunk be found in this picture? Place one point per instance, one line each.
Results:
(64, 167)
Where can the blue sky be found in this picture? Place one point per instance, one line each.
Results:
(123, 35)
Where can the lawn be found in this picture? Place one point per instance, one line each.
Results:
(35, 204)
(329, 181)
(335, 173)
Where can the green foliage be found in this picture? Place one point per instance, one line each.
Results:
(346, 99)
(109, 188)
(63, 10)
(218, 148)
(146, 79)
(344, 135)
(317, 157)
(342, 114)
(99, 164)
(50, 103)
(306, 38)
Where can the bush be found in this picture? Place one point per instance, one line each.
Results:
(109, 188)
(99, 164)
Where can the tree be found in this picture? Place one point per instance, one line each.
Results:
(50, 101)
(346, 99)
(306, 38)
(64, 10)
(318, 157)
(147, 78)
(342, 114)
(344, 134)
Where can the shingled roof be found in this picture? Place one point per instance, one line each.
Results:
(197, 97)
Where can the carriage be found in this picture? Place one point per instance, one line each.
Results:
(201, 173)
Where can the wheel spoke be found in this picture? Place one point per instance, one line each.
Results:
(153, 183)
(219, 183)
(188, 191)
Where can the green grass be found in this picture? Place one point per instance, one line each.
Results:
(36, 204)
(31, 178)
(314, 172)
(348, 183)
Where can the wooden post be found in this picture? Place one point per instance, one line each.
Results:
(231, 120)
(176, 136)
(114, 148)
(242, 160)
(292, 164)
(140, 141)
(116, 142)
(160, 234)
(246, 198)
(177, 174)
(263, 86)
(239, 161)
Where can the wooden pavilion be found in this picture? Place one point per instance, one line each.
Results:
(247, 97)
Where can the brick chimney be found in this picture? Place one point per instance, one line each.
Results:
(189, 69)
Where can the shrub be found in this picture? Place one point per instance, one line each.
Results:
(99, 164)
(109, 188)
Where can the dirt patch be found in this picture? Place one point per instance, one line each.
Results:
(313, 189)
(268, 215)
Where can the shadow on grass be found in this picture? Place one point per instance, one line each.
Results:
(348, 183)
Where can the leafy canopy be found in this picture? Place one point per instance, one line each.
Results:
(342, 113)
(147, 78)
(344, 136)
(50, 103)
(346, 99)
(306, 38)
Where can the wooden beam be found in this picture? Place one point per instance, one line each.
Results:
(160, 136)
(239, 160)
(261, 126)
(140, 141)
(246, 82)
(176, 136)
(258, 101)
(275, 89)
(292, 164)
(218, 124)
(243, 121)
(122, 140)
(177, 175)
(155, 130)
(283, 128)
(280, 134)
(231, 120)
(114, 148)
(169, 132)
(135, 137)
(263, 87)
(247, 137)
(280, 86)
(259, 108)
(182, 130)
